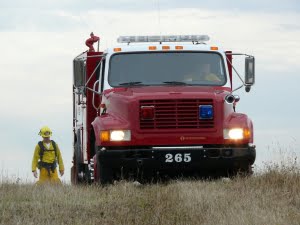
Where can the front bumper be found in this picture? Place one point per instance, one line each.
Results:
(175, 158)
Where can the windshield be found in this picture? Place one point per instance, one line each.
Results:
(166, 68)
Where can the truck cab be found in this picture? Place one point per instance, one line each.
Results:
(159, 105)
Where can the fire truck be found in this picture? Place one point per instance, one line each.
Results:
(159, 106)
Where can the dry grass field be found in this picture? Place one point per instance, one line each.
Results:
(272, 197)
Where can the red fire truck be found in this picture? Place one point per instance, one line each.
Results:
(159, 105)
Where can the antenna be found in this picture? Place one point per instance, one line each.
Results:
(158, 14)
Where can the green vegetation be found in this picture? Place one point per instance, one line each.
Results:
(272, 197)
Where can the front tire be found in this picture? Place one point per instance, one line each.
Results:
(245, 171)
(104, 174)
(74, 173)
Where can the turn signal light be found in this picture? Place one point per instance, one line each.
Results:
(247, 133)
(104, 135)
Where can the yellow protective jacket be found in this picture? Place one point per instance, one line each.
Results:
(48, 157)
(212, 77)
(205, 77)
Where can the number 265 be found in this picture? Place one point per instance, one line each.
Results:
(186, 157)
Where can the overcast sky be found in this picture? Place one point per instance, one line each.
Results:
(39, 40)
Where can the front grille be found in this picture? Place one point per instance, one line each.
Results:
(176, 114)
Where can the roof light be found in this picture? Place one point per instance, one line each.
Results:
(214, 48)
(165, 47)
(117, 49)
(163, 38)
(152, 39)
(178, 47)
(128, 39)
(152, 47)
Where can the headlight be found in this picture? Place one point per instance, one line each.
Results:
(120, 135)
(115, 135)
(235, 133)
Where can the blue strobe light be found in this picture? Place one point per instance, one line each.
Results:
(206, 112)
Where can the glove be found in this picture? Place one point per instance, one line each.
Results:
(35, 174)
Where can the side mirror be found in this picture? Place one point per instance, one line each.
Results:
(249, 70)
(79, 72)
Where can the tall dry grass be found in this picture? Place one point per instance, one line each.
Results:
(271, 197)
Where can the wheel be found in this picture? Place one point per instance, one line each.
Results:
(245, 171)
(78, 170)
(73, 178)
(74, 172)
(104, 174)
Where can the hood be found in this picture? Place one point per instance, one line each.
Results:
(168, 92)
(122, 107)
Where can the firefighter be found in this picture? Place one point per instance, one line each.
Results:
(202, 73)
(207, 74)
(46, 157)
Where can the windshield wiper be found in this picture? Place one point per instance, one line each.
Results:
(133, 83)
(175, 83)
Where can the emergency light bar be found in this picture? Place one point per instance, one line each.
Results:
(163, 38)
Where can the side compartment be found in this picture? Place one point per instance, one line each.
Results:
(86, 68)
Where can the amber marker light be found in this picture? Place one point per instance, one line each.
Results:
(165, 47)
(214, 48)
(152, 47)
(247, 133)
(178, 47)
(117, 49)
(104, 135)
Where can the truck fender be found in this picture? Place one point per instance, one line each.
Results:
(239, 120)
(108, 122)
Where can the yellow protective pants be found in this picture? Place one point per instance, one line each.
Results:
(46, 178)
